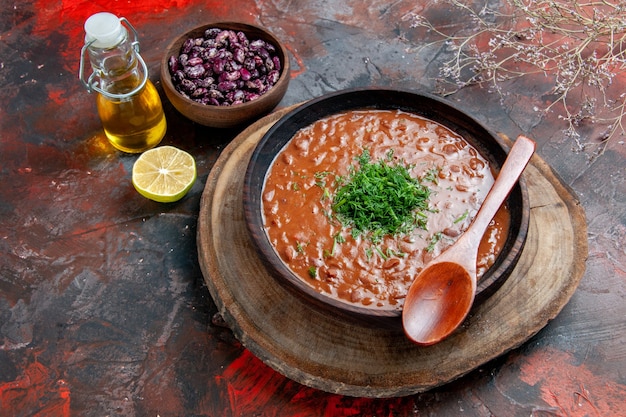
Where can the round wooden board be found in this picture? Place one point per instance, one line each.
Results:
(344, 358)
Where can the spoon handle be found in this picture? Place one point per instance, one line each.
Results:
(519, 155)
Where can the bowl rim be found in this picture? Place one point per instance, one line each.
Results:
(166, 77)
(315, 109)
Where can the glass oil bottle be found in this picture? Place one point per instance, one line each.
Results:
(128, 104)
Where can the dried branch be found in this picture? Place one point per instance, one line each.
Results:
(580, 45)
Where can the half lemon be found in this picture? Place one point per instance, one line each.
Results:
(164, 174)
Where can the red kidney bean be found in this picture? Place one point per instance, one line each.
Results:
(211, 33)
(226, 86)
(230, 76)
(187, 45)
(195, 71)
(178, 77)
(224, 68)
(240, 55)
(194, 61)
(258, 62)
(273, 77)
(255, 84)
(244, 74)
(199, 92)
(277, 65)
(187, 86)
(204, 82)
(173, 65)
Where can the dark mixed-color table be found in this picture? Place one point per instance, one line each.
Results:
(104, 309)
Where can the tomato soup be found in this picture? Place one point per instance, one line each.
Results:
(324, 252)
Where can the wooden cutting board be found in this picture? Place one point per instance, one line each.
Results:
(340, 357)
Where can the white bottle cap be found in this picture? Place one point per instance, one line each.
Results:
(104, 29)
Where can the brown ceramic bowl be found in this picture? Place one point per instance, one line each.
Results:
(486, 142)
(226, 116)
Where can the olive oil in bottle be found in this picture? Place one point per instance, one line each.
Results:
(134, 124)
(128, 104)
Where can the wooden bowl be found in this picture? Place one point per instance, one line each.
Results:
(486, 142)
(226, 116)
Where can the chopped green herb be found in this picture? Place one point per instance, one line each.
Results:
(313, 272)
(380, 252)
(320, 181)
(380, 198)
(320, 177)
(432, 175)
(300, 247)
(433, 241)
(390, 252)
(461, 217)
(337, 239)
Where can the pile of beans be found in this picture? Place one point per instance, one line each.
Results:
(224, 68)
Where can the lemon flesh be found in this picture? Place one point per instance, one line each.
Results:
(164, 174)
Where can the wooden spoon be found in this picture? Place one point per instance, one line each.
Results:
(442, 294)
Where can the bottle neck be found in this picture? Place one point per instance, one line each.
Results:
(118, 70)
(112, 61)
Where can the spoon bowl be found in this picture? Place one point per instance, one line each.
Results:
(443, 293)
(430, 319)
